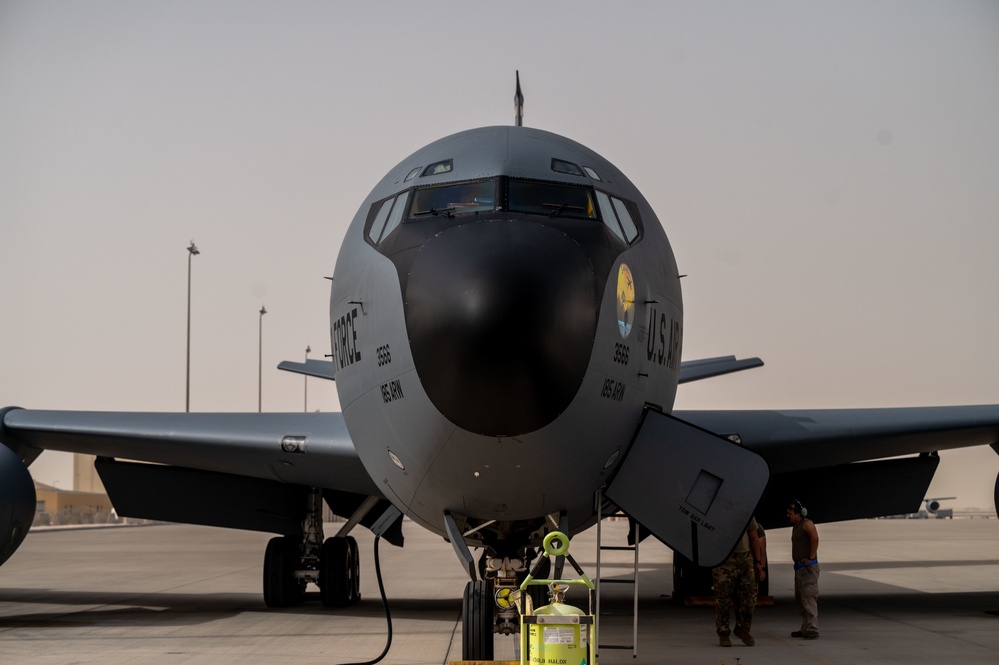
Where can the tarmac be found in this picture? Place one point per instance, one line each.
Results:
(892, 591)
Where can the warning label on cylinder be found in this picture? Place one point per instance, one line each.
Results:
(557, 635)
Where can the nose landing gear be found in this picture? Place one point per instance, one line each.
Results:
(477, 607)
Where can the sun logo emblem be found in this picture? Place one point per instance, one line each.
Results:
(625, 300)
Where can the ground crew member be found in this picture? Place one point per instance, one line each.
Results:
(804, 552)
(736, 580)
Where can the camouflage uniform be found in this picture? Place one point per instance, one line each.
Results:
(736, 580)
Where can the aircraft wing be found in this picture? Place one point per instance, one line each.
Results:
(695, 370)
(694, 478)
(804, 439)
(836, 461)
(321, 369)
(244, 444)
(239, 470)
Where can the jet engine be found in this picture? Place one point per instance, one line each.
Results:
(933, 504)
(17, 502)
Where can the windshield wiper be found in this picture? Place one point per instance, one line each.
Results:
(435, 212)
(559, 207)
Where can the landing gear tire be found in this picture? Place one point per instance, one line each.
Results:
(355, 571)
(339, 572)
(281, 587)
(477, 621)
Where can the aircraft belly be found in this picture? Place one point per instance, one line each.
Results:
(557, 468)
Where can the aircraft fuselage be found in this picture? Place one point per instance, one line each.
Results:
(504, 305)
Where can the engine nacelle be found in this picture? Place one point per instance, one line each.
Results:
(995, 495)
(17, 502)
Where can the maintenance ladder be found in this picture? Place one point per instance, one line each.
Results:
(632, 581)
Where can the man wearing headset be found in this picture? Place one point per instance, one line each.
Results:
(804, 551)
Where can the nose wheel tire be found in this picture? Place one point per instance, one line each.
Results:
(477, 621)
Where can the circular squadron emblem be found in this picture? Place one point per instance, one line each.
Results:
(625, 300)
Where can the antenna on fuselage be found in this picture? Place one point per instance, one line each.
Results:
(518, 103)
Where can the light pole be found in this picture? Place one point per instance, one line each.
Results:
(306, 377)
(260, 363)
(192, 251)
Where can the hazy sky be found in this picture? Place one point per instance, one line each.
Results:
(828, 175)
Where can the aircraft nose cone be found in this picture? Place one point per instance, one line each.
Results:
(501, 318)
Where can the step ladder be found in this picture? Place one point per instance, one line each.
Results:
(599, 582)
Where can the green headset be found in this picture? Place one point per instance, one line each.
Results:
(798, 508)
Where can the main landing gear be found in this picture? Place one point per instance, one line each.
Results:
(339, 572)
(292, 562)
(287, 572)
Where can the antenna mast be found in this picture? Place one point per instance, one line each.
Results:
(518, 103)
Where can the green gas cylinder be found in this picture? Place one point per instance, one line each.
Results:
(559, 634)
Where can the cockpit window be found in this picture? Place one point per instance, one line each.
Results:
(450, 200)
(542, 199)
(617, 217)
(437, 168)
(624, 216)
(562, 166)
(378, 225)
(552, 199)
(412, 174)
(590, 172)
(389, 215)
(397, 212)
(607, 212)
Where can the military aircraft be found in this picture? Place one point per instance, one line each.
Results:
(506, 332)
